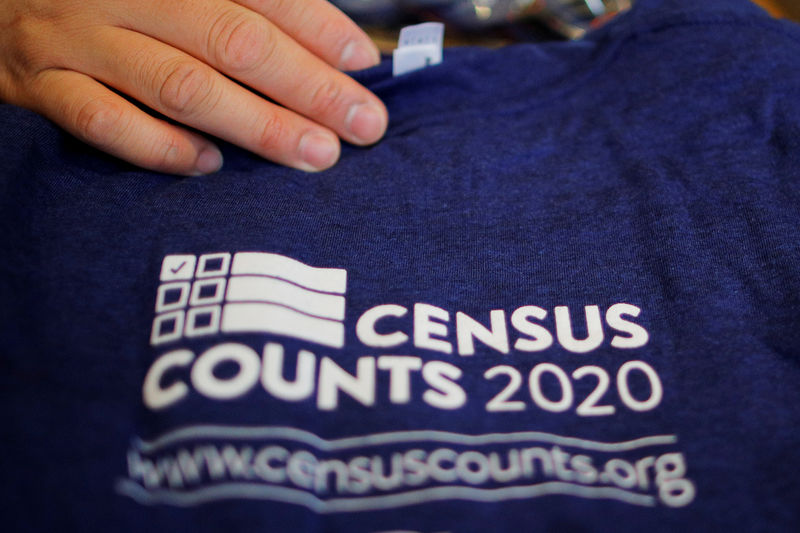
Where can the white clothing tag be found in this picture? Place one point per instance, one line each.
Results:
(419, 46)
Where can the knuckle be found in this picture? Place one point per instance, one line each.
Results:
(240, 43)
(333, 30)
(100, 122)
(326, 99)
(168, 154)
(272, 133)
(25, 50)
(285, 9)
(185, 88)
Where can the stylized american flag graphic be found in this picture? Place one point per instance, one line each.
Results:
(250, 292)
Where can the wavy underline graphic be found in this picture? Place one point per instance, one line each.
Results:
(394, 437)
(370, 503)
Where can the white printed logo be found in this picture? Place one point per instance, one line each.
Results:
(254, 292)
(394, 361)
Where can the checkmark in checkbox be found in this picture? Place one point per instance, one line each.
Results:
(178, 267)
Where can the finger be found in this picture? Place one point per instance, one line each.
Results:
(249, 48)
(321, 28)
(107, 121)
(189, 91)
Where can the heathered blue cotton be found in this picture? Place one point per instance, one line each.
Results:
(562, 294)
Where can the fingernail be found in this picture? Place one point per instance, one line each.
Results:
(318, 151)
(357, 56)
(208, 161)
(366, 122)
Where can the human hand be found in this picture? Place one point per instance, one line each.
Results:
(180, 58)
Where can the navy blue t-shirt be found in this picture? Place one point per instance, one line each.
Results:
(562, 294)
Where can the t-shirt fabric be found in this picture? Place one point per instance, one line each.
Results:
(562, 294)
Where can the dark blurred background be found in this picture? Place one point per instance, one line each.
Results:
(500, 22)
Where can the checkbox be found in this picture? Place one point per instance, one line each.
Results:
(172, 296)
(167, 327)
(203, 321)
(207, 291)
(177, 267)
(212, 265)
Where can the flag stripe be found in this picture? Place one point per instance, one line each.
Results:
(272, 318)
(272, 290)
(265, 264)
